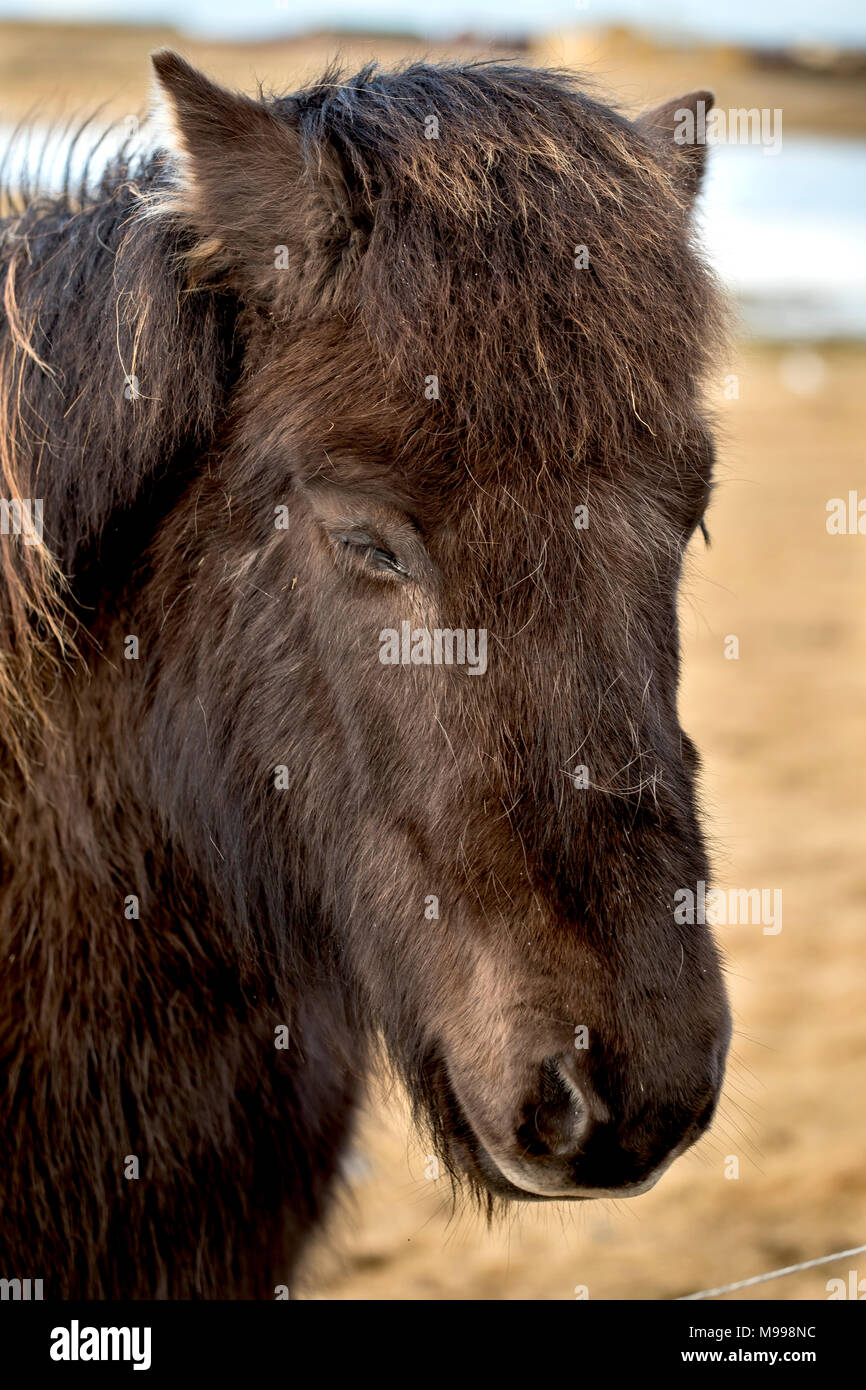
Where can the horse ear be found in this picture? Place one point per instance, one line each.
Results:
(243, 184)
(681, 124)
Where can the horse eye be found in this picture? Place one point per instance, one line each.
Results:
(379, 559)
(375, 556)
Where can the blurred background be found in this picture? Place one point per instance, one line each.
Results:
(782, 1176)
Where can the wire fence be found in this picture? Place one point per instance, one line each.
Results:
(773, 1274)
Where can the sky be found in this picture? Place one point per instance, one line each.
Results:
(766, 22)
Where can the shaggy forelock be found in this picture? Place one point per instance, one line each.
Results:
(469, 272)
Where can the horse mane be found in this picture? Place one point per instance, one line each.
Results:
(119, 344)
(93, 303)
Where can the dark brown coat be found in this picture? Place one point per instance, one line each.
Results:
(253, 325)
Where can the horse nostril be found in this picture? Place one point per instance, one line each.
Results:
(557, 1120)
(568, 1137)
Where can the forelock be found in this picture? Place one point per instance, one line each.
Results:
(479, 186)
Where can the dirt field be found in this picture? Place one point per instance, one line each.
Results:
(782, 734)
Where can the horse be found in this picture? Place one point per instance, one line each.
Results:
(301, 411)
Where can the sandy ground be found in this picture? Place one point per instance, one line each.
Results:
(781, 730)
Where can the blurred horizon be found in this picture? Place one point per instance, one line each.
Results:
(783, 225)
(798, 22)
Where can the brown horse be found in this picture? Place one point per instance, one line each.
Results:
(350, 452)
